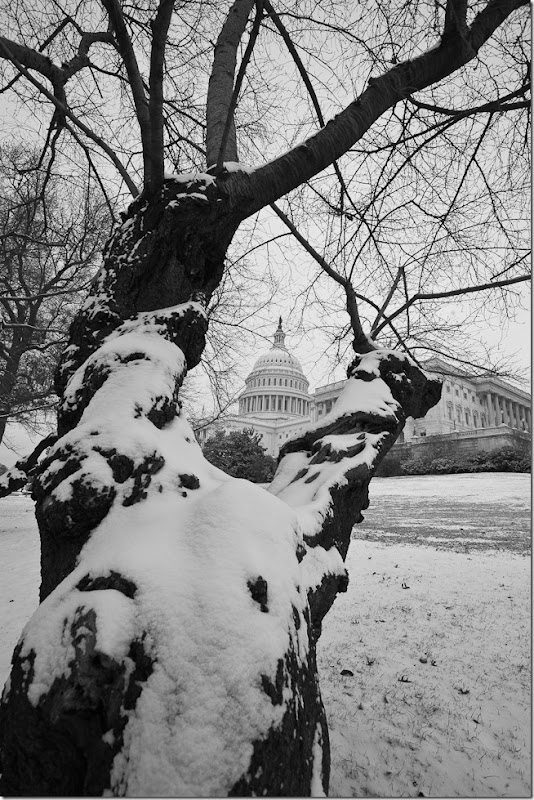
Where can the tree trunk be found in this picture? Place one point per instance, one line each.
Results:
(4, 413)
(173, 652)
(8, 380)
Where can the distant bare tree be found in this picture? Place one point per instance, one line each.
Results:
(51, 236)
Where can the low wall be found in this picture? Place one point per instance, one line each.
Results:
(451, 445)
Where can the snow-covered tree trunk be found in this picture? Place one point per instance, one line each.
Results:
(173, 652)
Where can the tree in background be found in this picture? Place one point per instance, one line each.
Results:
(174, 648)
(240, 454)
(51, 236)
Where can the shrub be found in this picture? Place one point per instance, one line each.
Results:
(241, 455)
(505, 459)
(415, 466)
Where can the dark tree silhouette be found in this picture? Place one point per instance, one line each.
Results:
(174, 648)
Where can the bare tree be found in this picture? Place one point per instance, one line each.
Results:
(51, 237)
(174, 648)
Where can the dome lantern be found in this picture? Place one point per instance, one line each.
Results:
(279, 337)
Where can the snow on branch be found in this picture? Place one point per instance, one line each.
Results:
(17, 476)
(325, 473)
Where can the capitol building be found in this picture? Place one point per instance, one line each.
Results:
(476, 413)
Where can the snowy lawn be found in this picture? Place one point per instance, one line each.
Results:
(435, 629)
(436, 634)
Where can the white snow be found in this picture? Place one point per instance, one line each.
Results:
(440, 698)
(191, 560)
(317, 774)
(311, 498)
(191, 552)
(319, 562)
(191, 177)
(13, 474)
(235, 166)
(368, 396)
(469, 612)
(310, 493)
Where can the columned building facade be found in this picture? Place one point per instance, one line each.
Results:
(276, 404)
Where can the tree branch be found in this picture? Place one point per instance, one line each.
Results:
(275, 179)
(126, 50)
(63, 108)
(17, 477)
(324, 474)
(160, 28)
(500, 104)
(361, 342)
(452, 293)
(230, 124)
(308, 84)
(221, 82)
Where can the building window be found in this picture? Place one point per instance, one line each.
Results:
(483, 420)
(459, 414)
(447, 387)
(449, 410)
(457, 393)
(285, 384)
(467, 417)
(465, 395)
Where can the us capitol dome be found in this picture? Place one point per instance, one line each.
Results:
(277, 385)
(275, 402)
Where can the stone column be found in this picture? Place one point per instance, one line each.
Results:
(498, 410)
(491, 414)
(509, 413)
(409, 429)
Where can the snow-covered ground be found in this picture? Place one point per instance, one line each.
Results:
(435, 629)
(436, 634)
